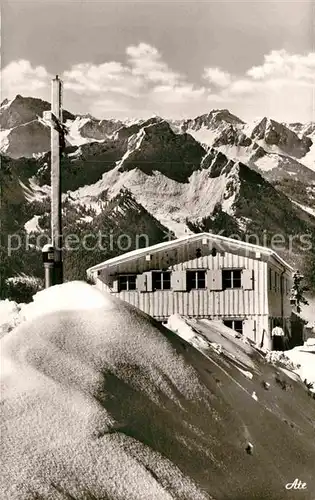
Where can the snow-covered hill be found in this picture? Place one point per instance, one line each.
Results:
(99, 401)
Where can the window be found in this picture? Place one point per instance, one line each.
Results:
(127, 282)
(161, 280)
(235, 324)
(270, 279)
(196, 279)
(231, 278)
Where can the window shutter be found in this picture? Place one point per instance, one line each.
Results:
(249, 329)
(144, 282)
(214, 279)
(104, 276)
(141, 282)
(247, 279)
(114, 285)
(148, 278)
(178, 281)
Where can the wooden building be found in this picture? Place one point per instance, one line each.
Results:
(204, 276)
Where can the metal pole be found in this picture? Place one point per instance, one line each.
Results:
(49, 264)
(56, 214)
(49, 274)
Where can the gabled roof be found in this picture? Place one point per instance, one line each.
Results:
(225, 242)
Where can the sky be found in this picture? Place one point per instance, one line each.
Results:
(171, 58)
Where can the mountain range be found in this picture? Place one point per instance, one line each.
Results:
(214, 173)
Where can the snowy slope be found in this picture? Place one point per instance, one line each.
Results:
(60, 435)
(10, 316)
(4, 140)
(206, 334)
(309, 210)
(73, 127)
(86, 129)
(32, 224)
(304, 358)
(206, 128)
(24, 133)
(157, 193)
(99, 401)
(170, 176)
(263, 143)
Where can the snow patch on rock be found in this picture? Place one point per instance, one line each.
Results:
(32, 226)
(156, 193)
(4, 140)
(300, 360)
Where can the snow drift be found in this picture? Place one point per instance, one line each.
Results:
(101, 402)
(300, 359)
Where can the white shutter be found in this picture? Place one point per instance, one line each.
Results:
(178, 281)
(214, 279)
(114, 286)
(104, 276)
(144, 282)
(141, 283)
(249, 329)
(112, 282)
(148, 281)
(247, 279)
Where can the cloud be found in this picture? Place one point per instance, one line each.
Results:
(106, 77)
(242, 86)
(144, 84)
(279, 64)
(145, 78)
(281, 86)
(144, 69)
(146, 61)
(217, 77)
(20, 77)
(144, 74)
(280, 71)
(180, 93)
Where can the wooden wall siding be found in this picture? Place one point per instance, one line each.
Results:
(161, 305)
(167, 259)
(254, 326)
(274, 295)
(252, 305)
(203, 303)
